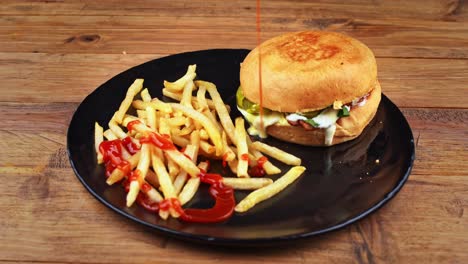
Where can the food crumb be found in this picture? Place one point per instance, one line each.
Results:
(124, 52)
(377, 161)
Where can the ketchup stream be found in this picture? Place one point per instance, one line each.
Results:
(259, 41)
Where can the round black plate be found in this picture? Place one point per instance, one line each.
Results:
(341, 185)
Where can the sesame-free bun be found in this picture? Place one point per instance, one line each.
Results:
(309, 70)
(347, 128)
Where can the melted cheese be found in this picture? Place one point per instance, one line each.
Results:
(269, 119)
(329, 134)
(326, 118)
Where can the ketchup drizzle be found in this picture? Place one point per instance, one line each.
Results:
(259, 41)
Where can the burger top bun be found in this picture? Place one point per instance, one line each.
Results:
(309, 70)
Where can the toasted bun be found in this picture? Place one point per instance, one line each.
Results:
(347, 128)
(309, 70)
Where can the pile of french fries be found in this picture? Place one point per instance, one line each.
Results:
(198, 126)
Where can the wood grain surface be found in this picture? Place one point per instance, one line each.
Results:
(55, 52)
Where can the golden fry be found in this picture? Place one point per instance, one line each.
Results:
(178, 85)
(242, 149)
(247, 183)
(98, 138)
(276, 153)
(268, 191)
(206, 123)
(145, 96)
(133, 90)
(221, 109)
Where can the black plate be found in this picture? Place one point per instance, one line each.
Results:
(342, 184)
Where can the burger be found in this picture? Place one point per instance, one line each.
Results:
(318, 88)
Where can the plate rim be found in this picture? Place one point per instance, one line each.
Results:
(239, 241)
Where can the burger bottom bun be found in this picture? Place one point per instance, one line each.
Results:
(347, 128)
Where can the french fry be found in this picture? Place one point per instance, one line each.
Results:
(184, 163)
(178, 97)
(276, 153)
(118, 174)
(177, 121)
(207, 147)
(118, 132)
(204, 135)
(181, 178)
(233, 166)
(191, 186)
(242, 149)
(178, 85)
(98, 138)
(141, 114)
(133, 90)
(145, 96)
(221, 109)
(228, 154)
(155, 103)
(269, 168)
(201, 99)
(151, 117)
(180, 141)
(129, 118)
(163, 176)
(187, 94)
(109, 135)
(206, 123)
(142, 168)
(247, 183)
(212, 117)
(164, 128)
(268, 191)
(172, 167)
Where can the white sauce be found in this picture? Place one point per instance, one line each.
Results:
(329, 134)
(326, 118)
(255, 128)
(295, 117)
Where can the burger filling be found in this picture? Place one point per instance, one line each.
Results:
(323, 119)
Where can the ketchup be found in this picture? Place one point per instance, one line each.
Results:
(224, 202)
(260, 88)
(159, 141)
(112, 155)
(130, 146)
(144, 201)
(257, 170)
(131, 125)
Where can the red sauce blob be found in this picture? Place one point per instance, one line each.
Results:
(160, 141)
(257, 170)
(111, 151)
(131, 125)
(244, 156)
(144, 201)
(224, 202)
(130, 146)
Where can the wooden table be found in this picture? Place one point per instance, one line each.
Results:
(55, 52)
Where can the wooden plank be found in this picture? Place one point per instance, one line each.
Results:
(41, 78)
(427, 10)
(111, 34)
(384, 40)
